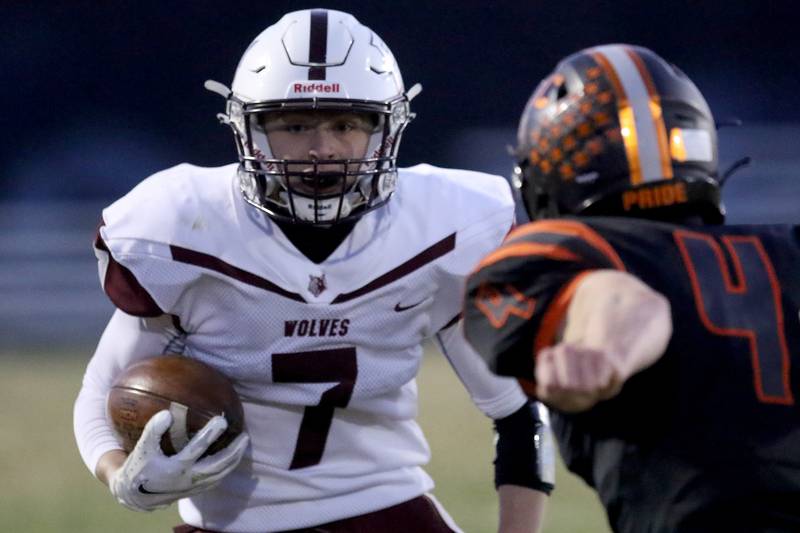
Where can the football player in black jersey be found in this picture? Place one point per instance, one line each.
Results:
(667, 342)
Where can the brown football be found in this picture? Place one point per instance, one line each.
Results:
(192, 391)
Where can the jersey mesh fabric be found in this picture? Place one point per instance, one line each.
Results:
(254, 313)
(706, 438)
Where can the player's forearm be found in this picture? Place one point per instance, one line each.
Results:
(615, 326)
(108, 464)
(615, 312)
(495, 396)
(125, 339)
(93, 434)
(521, 509)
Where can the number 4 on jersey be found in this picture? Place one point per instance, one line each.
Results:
(734, 307)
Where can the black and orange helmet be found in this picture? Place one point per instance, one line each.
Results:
(616, 130)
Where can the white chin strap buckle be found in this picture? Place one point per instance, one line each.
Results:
(309, 210)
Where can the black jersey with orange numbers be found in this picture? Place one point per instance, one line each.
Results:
(710, 434)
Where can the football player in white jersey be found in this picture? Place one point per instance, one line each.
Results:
(292, 273)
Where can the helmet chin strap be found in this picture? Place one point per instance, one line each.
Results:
(323, 210)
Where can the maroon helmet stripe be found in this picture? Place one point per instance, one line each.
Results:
(192, 257)
(123, 289)
(318, 44)
(426, 256)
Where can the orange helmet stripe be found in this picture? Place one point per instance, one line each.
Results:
(626, 118)
(656, 112)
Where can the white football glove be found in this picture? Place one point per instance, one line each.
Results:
(150, 480)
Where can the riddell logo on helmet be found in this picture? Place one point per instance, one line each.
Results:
(651, 197)
(315, 88)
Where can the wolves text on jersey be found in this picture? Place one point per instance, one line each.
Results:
(316, 328)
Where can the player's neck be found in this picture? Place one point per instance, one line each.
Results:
(316, 243)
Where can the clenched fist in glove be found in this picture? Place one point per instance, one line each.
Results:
(150, 480)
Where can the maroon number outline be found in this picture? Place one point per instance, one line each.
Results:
(730, 242)
(317, 366)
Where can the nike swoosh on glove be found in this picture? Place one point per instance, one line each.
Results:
(150, 480)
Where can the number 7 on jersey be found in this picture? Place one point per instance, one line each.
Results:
(317, 366)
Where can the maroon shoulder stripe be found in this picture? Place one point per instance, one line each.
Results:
(426, 256)
(123, 289)
(192, 257)
(453, 322)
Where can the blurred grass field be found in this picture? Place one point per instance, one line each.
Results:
(47, 488)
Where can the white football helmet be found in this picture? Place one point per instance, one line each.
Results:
(316, 59)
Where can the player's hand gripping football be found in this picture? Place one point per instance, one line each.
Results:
(615, 326)
(150, 480)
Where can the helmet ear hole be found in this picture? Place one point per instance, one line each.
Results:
(561, 92)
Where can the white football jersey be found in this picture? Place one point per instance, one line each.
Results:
(324, 356)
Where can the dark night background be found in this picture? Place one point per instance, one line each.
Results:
(98, 95)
